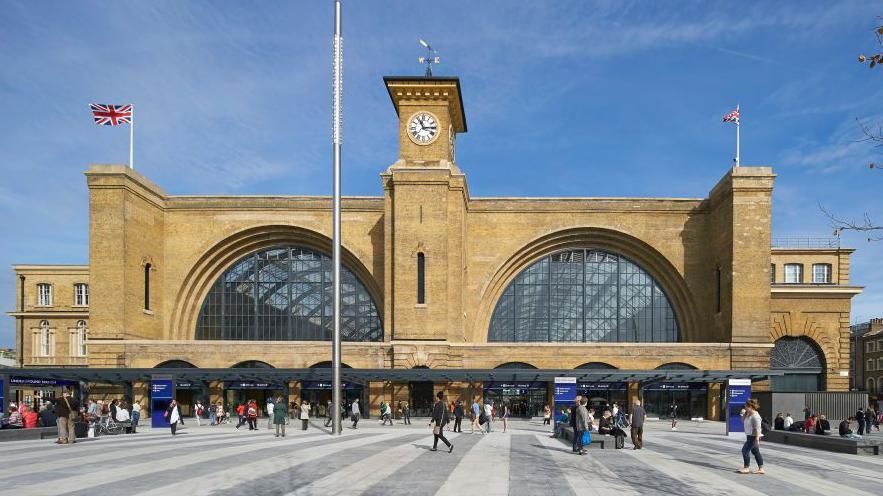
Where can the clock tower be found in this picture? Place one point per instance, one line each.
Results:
(424, 226)
(430, 111)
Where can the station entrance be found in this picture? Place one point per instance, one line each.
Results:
(318, 393)
(602, 395)
(525, 399)
(242, 392)
(691, 399)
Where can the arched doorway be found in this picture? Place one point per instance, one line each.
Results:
(318, 393)
(683, 399)
(259, 389)
(187, 392)
(803, 363)
(602, 394)
(420, 396)
(524, 398)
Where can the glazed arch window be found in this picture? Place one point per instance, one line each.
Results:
(584, 295)
(421, 279)
(81, 295)
(44, 294)
(821, 273)
(45, 339)
(793, 273)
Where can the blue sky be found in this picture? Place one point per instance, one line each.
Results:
(562, 98)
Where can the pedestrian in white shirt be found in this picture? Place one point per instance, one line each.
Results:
(488, 412)
(789, 420)
(270, 407)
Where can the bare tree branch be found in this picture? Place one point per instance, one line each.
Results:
(865, 226)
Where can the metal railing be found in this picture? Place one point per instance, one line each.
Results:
(806, 242)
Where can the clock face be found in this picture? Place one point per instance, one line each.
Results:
(423, 128)
(452, 136)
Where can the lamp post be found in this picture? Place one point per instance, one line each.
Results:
(336, 141)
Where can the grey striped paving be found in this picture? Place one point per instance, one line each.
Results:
(389, 461)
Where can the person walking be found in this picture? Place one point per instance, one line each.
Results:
(505, 417)
(304, 414)
(173, 414)
(197, 412)
(440, 416)
(547, 415)
(458, 416)
(489, 414)
(251, 413)
(752, 422)
(673, 413)
(280, 412)
(860, 419)
(136, 415)
(270, 416)
(240, 412)
(406, 411)
(330, 415)
(869, 419)
(476, 415)
(581, 425)
(638, 416)
(571, 420)
(66, 410)
(357, 414)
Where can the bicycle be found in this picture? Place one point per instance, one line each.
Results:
(108, 426)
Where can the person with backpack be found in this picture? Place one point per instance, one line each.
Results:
(198, 412)
(251, 413)
(752, 422)
(441, 415)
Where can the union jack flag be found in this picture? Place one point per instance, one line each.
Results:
(732, 116)
(111, 115)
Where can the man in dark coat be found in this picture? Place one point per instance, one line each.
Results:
(441, 415)
(66, 409)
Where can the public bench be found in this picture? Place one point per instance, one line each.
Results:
(28, 434)
(829, 442)
(565, 432)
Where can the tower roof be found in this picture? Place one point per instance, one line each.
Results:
(429, 88)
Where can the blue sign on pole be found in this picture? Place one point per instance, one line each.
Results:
(564, 394)
(738, 393)
(162, 391)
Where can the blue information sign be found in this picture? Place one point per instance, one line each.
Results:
(738, 393)
(564, 394)
(162, 391)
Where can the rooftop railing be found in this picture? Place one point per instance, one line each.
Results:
(806, 242)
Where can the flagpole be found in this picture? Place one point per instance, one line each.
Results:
(337, 95)
(132, 140)
(738, 123)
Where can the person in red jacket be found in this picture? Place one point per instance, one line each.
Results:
(29, 419)
(251, 411)
(810, 425)
(240, 412)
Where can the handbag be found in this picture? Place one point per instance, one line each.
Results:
(436, 430)
(587, 438)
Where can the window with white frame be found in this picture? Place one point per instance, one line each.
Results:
(45, 339)
(81, 338)
(81, 295)
(821, 273)
(869, 347)
(870, 364)
(793, 273)
(44, 294)
(772, 273)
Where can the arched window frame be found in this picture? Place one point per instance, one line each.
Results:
(639, 310)
(147, 267)
(82, 336)
(45, 339)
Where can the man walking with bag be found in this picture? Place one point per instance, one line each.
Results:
(638, 417)
(440, 416)
(581, 426)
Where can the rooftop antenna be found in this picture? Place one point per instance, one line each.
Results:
(429, 59)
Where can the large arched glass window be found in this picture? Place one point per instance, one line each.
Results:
(285, 294)
(584, 295)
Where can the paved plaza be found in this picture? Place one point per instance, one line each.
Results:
(389, 461)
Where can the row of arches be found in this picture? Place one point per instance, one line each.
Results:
(183, 364)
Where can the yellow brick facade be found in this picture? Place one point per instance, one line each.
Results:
(473, 247)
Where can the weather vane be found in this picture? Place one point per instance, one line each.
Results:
(429, 59)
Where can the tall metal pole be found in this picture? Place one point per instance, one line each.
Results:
(336, 138)
(738, 122)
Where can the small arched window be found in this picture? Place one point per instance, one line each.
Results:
(81, 337)
(45, 345)
(421, 278)
(147, 286)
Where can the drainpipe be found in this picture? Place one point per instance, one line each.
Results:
(21, 323)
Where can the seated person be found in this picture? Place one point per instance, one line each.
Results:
(779, 422)
(30, 418)
(822, 425)
(13, 419)
(797, 426)
(809, 426)
(123, 414)
(607, 426)
(845, 431)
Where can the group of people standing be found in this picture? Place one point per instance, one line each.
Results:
(613, 422)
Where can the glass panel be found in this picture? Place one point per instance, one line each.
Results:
(584, 295)
(285, 293)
